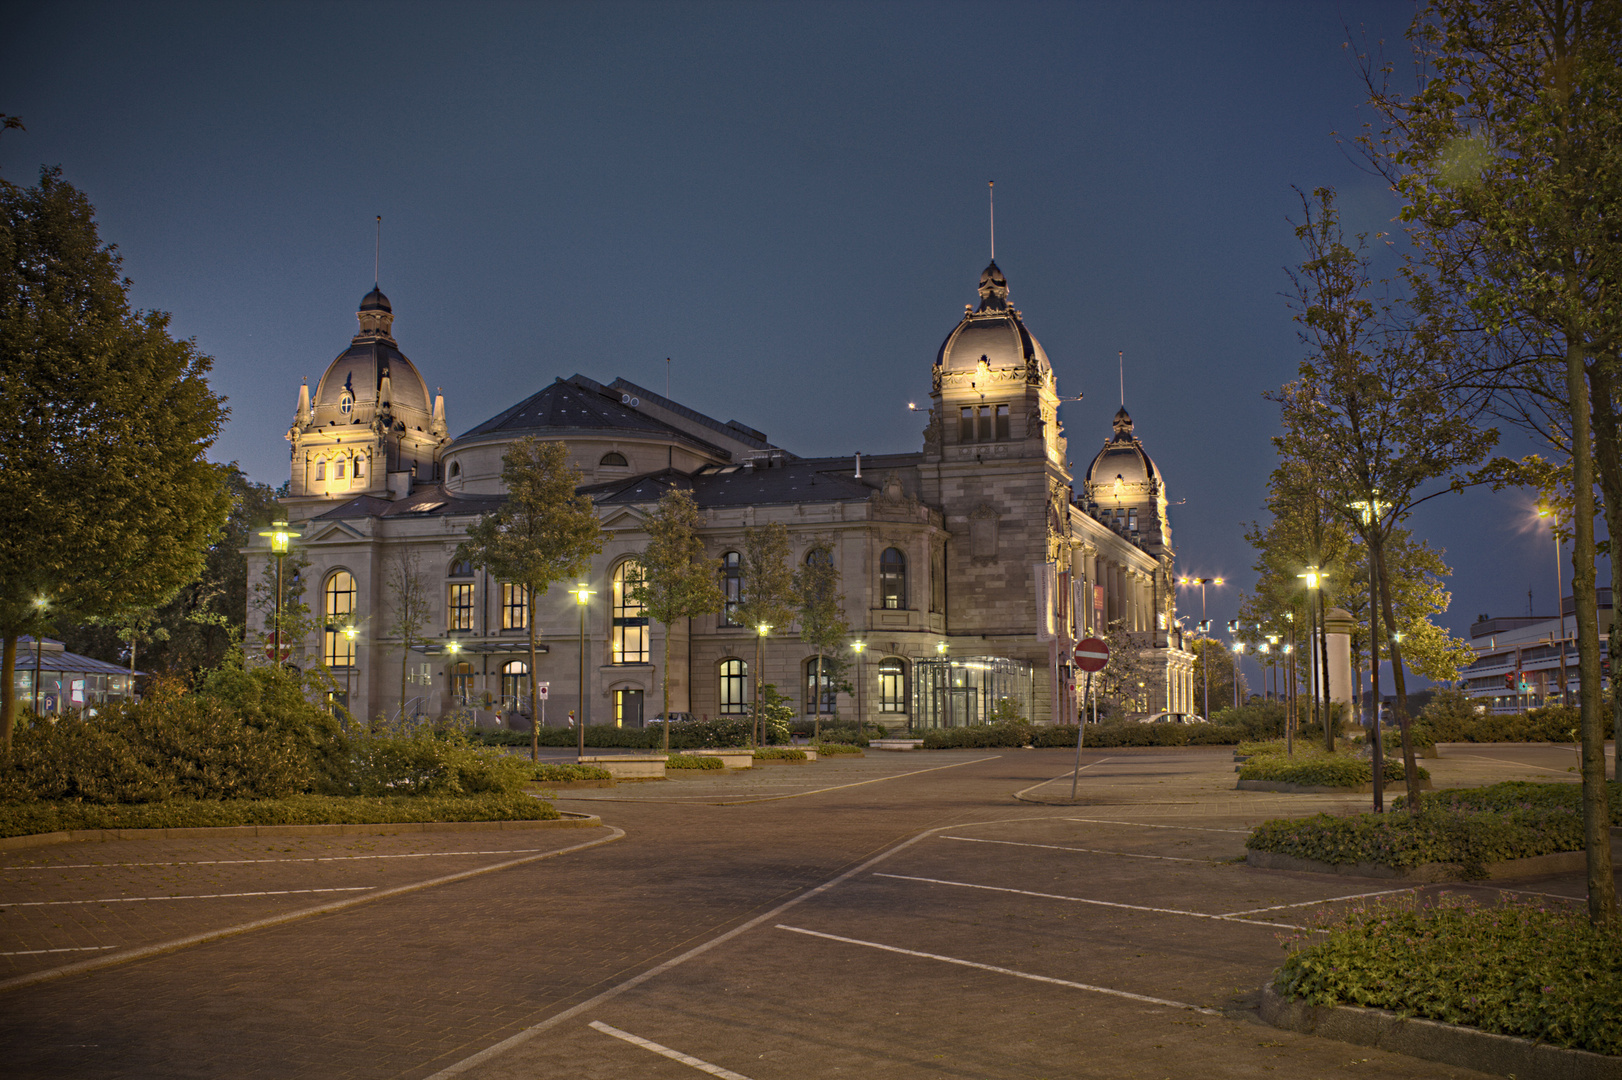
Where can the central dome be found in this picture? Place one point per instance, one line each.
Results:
(993, 332)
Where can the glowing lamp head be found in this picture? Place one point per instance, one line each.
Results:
(281, 537)
(940, 647)
(350, 632)
(581, 593)
(453, 646)
(763, 629)
(858, 646)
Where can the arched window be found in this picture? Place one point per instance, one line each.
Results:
(893, 579)
(734, 676)
(346, 404)
(892, 686)
(456, 469)
(459, 598)
(731, 587)
(360, 466)
(823, 698)
(613, 457)
(819, 555)
(321, 469)
(515, 685)
(462, 683)
(630, 643)
(338, 609)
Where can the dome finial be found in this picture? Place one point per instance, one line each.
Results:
(1123, 425)
(993, 289)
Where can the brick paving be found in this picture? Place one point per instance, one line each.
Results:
(411, 984)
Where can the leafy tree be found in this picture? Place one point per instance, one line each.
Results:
(1120, 686)
(822, 615)
(413, 608)
(1375, 414)
(296, 623)
(767, 592)
(1224, 669)
(107, 502)
(544, 532)
(676, 580)
(1508, 160)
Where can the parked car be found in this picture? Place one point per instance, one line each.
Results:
(1173, 718)
(675, 718)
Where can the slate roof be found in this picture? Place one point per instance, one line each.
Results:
(50, 660)
(579, 404)
(426, 502)
(796, 480)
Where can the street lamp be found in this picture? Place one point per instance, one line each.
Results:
(857, 647)
(1559, 592)
(1238, 651)
(281, 538)
(582, 596)
(40, 604)
(1205, 627)
(757, 730)
(1315, 580)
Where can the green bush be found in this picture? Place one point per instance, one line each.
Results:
(694, 761)
(1512, 969)
(1438, 834)
(1319, 769)
(979, 736)
(722, 733)
(556, 773)
(1452, 717)
(848, 733)
(282, 704)
(1513, 795)
(428, 764)
(27, 819)
(825, 749)
(779, 753)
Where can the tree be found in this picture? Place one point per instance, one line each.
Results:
(1376, 414)
(1509, 163)
(1224, 670)
(412, 610)
(1124, 678)
(107, 502)
(677, 580)
(296, 623)
(767, 593)
(544, 532)
(822, 615)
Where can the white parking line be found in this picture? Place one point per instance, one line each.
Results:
(1326, 900)
(1084, 850)
(1003, 970)
(1062, 776)
(246, 862)
(200, 896)
(41, 952)
(1142, 825)
(1509, 764)
(859, 783)
(673, 1055)
(1099, 903)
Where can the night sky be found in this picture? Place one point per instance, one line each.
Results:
(789, 200)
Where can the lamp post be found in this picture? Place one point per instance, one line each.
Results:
(350, 634)
(1320, 678)
(582, 596)
(1205, 627)
(1238, 653)
(281, 538)
(861, 717)
(40, 604)
(1559, 592)
(1369, 510)
(757, 730)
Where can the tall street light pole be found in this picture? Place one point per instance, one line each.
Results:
(757, 730)
(1559, 592)
(1320, 678)
(861, 717)
(1205, 628)
(582, 596)
(280, 539)
(40, 604)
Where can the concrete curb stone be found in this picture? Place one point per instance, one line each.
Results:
(1433, 1040)
(1319, 789)
(1560, 862)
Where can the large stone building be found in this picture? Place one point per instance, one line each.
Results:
(969, 567)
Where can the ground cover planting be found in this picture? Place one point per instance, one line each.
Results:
(693, 761)
(567, 772)
(780, 753)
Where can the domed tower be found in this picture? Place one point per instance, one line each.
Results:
(1125, 490)
(369, 429)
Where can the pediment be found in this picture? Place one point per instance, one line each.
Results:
(328, 531)
(623, 519)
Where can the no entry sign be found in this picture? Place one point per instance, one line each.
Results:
(1091, 654)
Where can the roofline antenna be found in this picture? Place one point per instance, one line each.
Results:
(377, 254)
(991, 204)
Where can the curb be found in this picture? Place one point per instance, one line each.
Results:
(1319, 789)
(1433, 1040)
(1559, 862)
(566, 820)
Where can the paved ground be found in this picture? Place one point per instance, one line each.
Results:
(899, 915)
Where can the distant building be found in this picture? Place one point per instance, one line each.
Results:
(1517, 663)
(969, 567)
(51, 680)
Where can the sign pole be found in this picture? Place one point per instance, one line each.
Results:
(1091, 655)
(1081, 730)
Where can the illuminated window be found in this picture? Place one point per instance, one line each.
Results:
(514, 606)
(893, 579)
(628, 708)
(630, 644)
(459, 608)
(613, 457)
(462, 683)
(338, 607)
(892, 686)
(338, 469)
(731, 587)
(734, 687)
(321, 469)
(825, 701)
(515, 685)
(360, 466)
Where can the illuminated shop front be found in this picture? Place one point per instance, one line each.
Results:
(962, 691)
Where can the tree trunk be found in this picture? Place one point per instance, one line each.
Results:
(667, 688)
(1596, 812)
(816, 706)
(1607, 435)
(534, 712)
(1322, 645)
(8, 690)
(405, 661)
(1410, 767)
(1378, 757)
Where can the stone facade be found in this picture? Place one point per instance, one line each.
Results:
(969, 568)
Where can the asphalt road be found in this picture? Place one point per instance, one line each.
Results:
(945, 914)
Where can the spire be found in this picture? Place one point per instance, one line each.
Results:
(303, 415)
(993, 289)
(438, 424)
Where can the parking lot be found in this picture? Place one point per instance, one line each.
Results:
(898, 915)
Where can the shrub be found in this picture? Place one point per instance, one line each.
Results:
(1451, 718)
(779, 753)
(1512, 795)
(429, 764)
(27, 819)
(825, 749)
(693, 761)
(849, 733)
(1258, 720)
(1322, 770)
(686, 735)
(979, 735)
(558, 773)
(1512, 969)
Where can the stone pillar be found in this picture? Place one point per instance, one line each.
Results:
(1338, 624)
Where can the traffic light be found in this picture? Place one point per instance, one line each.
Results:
(1509, 680)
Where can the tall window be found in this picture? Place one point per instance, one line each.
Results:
(321, 469)
(514, 606)
(462, 683)
(893, 579)
(338, 469)
(460, 606)
(515, 685)
(630, 643)
(338, 607)
(965, 424)
(982, 423)
(360, 466)
(892, 686)
(1002, 422)
(731, 587)
(823, 698)
(734, 686)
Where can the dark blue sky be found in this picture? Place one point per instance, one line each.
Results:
(787, 199)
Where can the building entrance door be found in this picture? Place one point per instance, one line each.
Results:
(962, 706)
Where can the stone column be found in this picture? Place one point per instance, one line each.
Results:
(1338, 624)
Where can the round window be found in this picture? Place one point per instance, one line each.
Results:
(346, 403)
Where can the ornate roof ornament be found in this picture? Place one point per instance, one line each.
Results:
(993, 289)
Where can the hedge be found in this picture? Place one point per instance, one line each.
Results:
(1322, 770)
(1512, 969)
(1452, 717)
(825, 749)
(26, 819)
(1513, 795)
(684, 735)
(694, 761)
(559, 773)
(780, 753)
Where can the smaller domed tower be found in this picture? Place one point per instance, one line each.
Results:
(1125, 490)
(369, 428)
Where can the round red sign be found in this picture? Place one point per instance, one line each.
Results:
(1091, 654)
